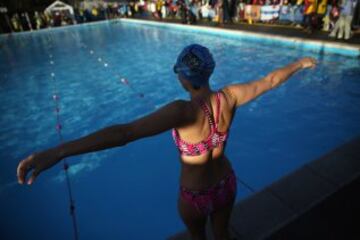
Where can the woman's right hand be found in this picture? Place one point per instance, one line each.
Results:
(37, 162)
(307, 62)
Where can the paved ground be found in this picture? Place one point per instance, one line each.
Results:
(336, 218)
(281, 30)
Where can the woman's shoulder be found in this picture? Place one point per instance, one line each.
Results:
(187, 108)
(184, 105)
(227, 95)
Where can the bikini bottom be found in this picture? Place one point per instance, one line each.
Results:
(216, 197)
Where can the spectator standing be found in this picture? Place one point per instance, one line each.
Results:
(193, 12)
(16, 24)
(326, 21)
(232, 9)
(38, 21)
(309, 14)
(356, 18)
(25, 26)
(173, 8)
(241, 11)
(219, 11)
(159, 5)
(334, 13)
(204, 10)
(343, 24)
(183, 11)
(320, 13)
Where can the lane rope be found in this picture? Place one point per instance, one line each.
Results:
(66, 166)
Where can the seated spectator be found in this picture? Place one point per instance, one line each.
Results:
(266, 12)
(285, 12)
(298, 10)
(270, 11)
(252, 13)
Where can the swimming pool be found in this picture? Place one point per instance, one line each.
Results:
(131, 192)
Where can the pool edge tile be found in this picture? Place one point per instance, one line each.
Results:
(301, 189)
(310, 45)
(347, 156)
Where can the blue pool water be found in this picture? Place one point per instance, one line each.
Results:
(131, 192)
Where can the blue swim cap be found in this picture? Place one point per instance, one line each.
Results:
(196, 64)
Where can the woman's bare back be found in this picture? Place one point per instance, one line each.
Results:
(203, 171)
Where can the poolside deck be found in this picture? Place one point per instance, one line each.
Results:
(317, 201)
(273, 29)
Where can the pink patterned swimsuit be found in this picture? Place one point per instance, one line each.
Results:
(208, 200)
(215, 138)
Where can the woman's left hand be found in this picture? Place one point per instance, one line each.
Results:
(307, 62)
(37, 162)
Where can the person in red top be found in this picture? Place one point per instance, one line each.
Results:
(309, 14)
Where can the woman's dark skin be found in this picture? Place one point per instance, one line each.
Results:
(197, 172)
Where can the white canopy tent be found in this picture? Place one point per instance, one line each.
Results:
(59, 6)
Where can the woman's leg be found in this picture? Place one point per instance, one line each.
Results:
(220, 220)
(194, 221)
(223, 205)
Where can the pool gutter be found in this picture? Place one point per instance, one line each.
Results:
(291, 42)
(318, 46)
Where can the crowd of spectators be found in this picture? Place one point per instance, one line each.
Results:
(333, 16)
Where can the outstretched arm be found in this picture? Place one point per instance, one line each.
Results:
(242, 93)
(172, 115)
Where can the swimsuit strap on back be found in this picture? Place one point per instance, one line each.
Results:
(214, 139)
(208, 114)
(217, 109)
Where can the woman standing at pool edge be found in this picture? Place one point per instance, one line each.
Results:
(200, 128)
